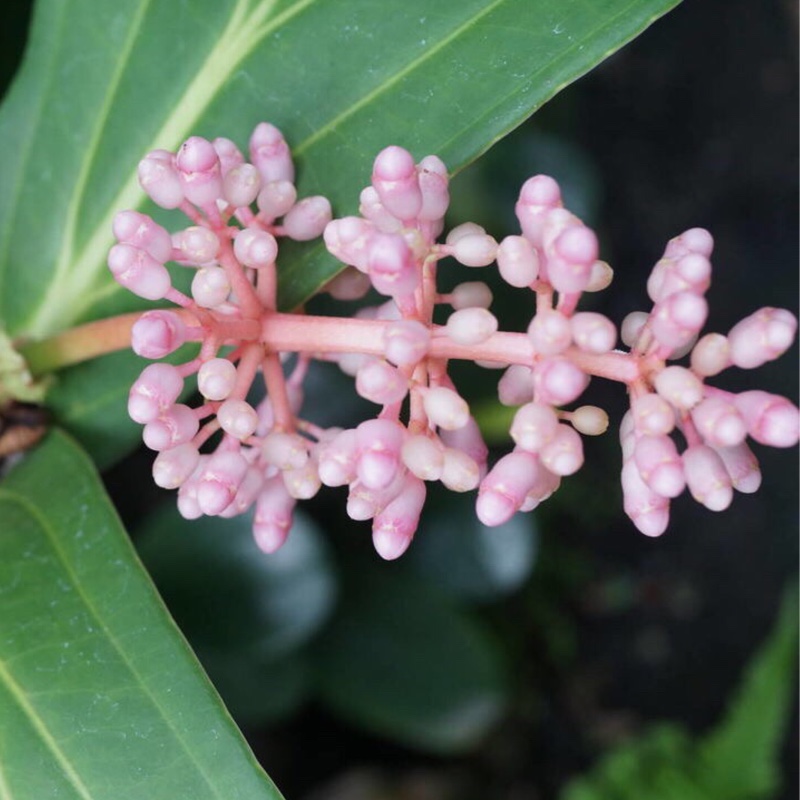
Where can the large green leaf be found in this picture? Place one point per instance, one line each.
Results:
(99, 695)
(104, 82)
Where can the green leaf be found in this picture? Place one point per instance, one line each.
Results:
(401, 660)
(741, 757)
(99, 695)
(102, 83)
(469, 560)
(738, 760)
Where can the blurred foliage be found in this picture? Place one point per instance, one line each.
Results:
(737, 760)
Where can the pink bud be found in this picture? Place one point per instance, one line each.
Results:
(652, 415)
(502, 492)
(471, 326)
(237, 418)
(770, 418)
(139, 272)
(445, 408)
(475, 250)
(391, 265)
(742, 466)
(285, 450)
(394, 177)
(471, 294)
(516, 385)
(228, 153)
(710, 355)
(176, 425)
(241, 185)
(172, 467)
(303, 483)
(593, 332)
(718, 422)
(589, 420)
(157, 333)
(131, 227)
(690, 272)
(273, 517)
(460, 472)
(534, 426)
(761, 337)
(210, 287)
(677, 319)
(348, 239)
(364, 502)
(337, 459)
(469, 440)
(199, 171)
(424, 456)
(648, 511)
(432, 176)
(378, 442)
(707, 478)
(380, 382)
(557, 381)
(695, 240)
(220, 480)
(153, 392)
(370, 208)
(550, 332)
(275, 199)
(543, 484)
(159, 179)
(216, 378)
(632, 327)
(196, 245)
(537, 196)
(563, 454)
(517, 261)
(307, 219)
(406, 342)
(255, 248)
(270, 154)
(600, 277)
(659, 465)
(394, 526)
(679, 386)
(246, 494)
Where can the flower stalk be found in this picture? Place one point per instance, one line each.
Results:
(269, 456)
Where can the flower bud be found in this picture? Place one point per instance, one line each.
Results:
(270, 154)
(471, 326)
(139, 272)
(761, 337)
(139, 230)
(307, 219)
(157, 334)
(394, 177)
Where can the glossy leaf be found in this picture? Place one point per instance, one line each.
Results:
(102, 83)
(99, 694)
(402, 661)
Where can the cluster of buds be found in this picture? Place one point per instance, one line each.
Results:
(266, 456)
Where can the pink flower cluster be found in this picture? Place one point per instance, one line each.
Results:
(267, 456)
